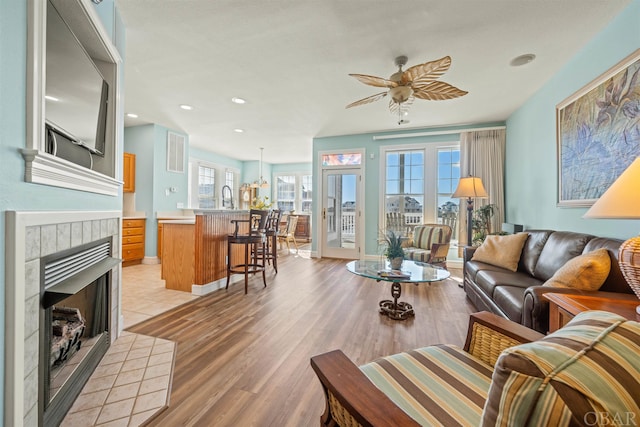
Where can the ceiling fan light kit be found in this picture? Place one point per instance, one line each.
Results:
(419, 81)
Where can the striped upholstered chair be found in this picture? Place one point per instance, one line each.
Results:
(430, 244)
(586, 373)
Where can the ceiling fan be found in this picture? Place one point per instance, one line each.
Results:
(419, 81)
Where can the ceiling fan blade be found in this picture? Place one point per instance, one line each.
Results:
(438, 91)
(367, 100)
(428, 71)
(374, 81)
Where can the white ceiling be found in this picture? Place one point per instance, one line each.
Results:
(290, 60)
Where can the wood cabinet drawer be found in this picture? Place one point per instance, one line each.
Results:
(133, 251)
(127, 239)
(133, 231)
(128, 223)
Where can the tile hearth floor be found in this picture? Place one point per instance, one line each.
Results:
(130, 386)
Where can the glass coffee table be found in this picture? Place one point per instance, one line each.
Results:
(410, 272)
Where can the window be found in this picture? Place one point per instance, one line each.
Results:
(419, 181)
(306, 193)
(293, 192)
(206, 187)
(228, 179)
(404, 189)
(448, 177)
(206, 181)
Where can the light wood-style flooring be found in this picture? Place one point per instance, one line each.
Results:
(243, 360)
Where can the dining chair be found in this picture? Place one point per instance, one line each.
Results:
(287, 234)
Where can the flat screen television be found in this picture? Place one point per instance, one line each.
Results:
(76, 94)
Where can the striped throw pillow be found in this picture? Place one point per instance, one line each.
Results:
(586, 373)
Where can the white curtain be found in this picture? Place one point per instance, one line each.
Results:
(482, 154)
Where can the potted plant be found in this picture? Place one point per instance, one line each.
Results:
(393, 250)
(481, 222)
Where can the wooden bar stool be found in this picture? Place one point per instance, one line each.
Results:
(253, 241)
(270, 254)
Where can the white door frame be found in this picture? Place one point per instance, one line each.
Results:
(360, 197)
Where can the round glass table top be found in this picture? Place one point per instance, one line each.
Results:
(410, 272)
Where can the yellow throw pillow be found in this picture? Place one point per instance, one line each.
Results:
(586, 272)
(501, 251)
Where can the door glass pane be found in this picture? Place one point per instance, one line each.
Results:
(341, 210)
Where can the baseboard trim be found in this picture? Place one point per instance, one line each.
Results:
(200, 290)
(150, 260)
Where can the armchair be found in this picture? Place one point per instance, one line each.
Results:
(430, 244)
(582, 371)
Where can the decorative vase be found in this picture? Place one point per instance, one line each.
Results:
(396, 263)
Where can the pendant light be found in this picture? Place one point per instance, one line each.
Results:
(261, 183)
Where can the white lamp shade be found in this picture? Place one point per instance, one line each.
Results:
(622, 199)
(470, 186)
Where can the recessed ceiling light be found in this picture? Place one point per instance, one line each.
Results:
(133, 116)
(238, 100)
(186, 107)
(522, 60)
(238, 130)
(51, 98)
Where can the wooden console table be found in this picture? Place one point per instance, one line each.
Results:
(563, 307)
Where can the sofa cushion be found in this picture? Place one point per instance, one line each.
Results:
(417, 254)
(488, 280)
(586, 272)
(560, 247)
(501, 251)
(471, 268)
(615, 281)
(442, 377)
(588, 368)
(426, 235)
(532, 249)
(510, 299)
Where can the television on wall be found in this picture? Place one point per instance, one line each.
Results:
(76, 95)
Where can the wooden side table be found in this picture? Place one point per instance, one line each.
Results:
(564, 307)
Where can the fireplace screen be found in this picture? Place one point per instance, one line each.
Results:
(74, 323)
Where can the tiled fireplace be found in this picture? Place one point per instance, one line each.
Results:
(32, 240)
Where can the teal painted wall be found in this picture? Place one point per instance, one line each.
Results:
(371, 177)
(15, 194)
(291, 168)
(216, 158)
(149, 144)
(532, 168)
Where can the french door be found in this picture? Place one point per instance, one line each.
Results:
(341, 214)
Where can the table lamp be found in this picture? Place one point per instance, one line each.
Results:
(470, 187)
(622, 201)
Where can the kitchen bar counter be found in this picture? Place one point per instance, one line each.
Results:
(194, 252)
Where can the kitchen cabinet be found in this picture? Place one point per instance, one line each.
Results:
(133, 233)
(129, 173)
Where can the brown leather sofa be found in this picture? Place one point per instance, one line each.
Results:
(518, 295)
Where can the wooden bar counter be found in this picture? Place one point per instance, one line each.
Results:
(194, 252)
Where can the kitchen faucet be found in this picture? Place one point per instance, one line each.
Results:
(230, 196)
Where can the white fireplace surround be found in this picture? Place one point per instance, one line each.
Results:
(31, 235)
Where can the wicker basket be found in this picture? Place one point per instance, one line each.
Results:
(629, 261)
